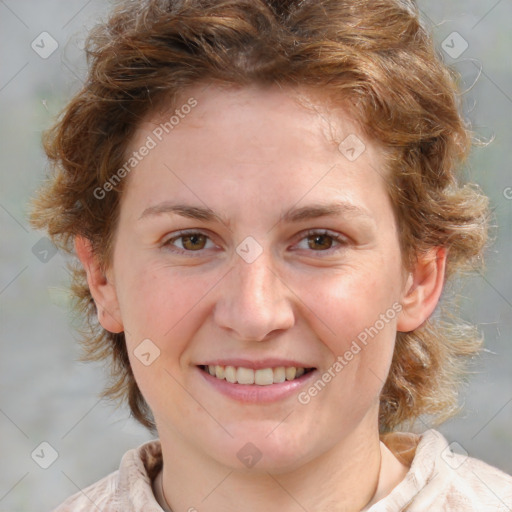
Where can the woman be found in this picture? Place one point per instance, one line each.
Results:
(265, 203)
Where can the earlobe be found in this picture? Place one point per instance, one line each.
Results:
(102, 289)
(422, 289)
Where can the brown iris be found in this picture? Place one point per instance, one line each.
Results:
(321, 242)
(194, 242)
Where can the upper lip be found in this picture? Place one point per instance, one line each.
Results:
(255, 364)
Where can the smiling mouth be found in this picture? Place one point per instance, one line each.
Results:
(260, 377)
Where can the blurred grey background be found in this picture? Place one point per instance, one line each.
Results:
(48, 396)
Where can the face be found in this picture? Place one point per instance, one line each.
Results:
(249, 244)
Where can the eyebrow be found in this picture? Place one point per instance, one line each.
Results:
(191, 212)
(315, 211)
(309, 212)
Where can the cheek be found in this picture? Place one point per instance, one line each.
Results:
(344, 304)
(354, 313)
(162, 303)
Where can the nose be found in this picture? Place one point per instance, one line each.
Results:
(254, 302)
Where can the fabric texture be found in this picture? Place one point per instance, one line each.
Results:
(438, 481)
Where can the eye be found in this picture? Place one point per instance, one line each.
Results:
(191, 241)
(320, 241)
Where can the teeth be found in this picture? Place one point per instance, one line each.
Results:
(245, 376)
(279, 374)
(290, 373)
(261, 377)
(219, 372)
(230, 374)
(264, 377)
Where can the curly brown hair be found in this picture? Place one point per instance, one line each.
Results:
(373, 55)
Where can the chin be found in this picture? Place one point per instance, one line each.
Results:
(262, 449)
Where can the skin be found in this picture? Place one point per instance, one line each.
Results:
(250, 155)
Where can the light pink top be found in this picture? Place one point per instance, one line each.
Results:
(438, 481)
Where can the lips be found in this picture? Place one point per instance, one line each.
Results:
(255, 376)
(254, 382)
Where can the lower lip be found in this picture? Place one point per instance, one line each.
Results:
(253, 393)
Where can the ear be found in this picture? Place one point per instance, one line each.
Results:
(102, 288)
(422, 289)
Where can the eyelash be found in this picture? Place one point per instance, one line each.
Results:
(338, 239)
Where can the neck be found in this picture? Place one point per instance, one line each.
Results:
(345, 477)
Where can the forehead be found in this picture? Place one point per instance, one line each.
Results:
(289, 111)
(228, 143)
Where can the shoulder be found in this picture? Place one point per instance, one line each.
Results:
(128, 488)
(457, 482)
(440, 479)
(471, 484)
(100, 495)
